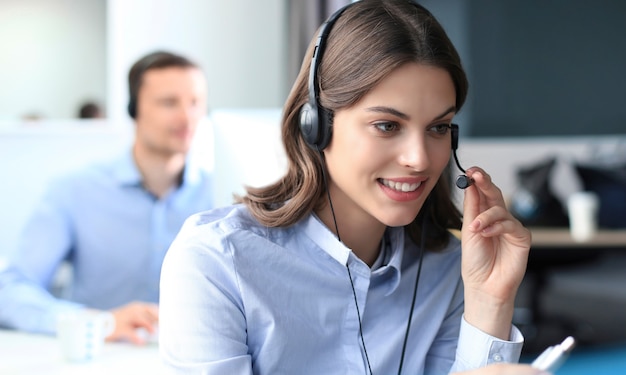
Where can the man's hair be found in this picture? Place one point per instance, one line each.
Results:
(154, 60)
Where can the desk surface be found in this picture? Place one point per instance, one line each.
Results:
(561, 238)
(29, 354)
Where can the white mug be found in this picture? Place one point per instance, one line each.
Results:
(583, 215)
(82, 333)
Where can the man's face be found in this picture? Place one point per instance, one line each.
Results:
(170, 103)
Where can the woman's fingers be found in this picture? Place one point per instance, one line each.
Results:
(482, 195)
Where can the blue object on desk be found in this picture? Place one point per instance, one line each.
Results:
(605, 360)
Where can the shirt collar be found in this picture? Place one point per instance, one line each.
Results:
(125, 170)
(383, 255)
(396, 247)
(391, 271)
(325, 239)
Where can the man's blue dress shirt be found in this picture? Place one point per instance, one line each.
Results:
(113, 232)
(241, 298)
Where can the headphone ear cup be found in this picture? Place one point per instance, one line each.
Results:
(325, 130)
(132, 108)
(315, 121)
(309, 124)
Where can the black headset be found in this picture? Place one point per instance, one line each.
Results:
(315, 124)
(462, 181)
(132, 101)
(139, 69)
(132, 107)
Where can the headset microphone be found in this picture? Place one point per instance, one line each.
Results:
(462, 181)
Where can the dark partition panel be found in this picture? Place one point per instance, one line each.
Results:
(554, 67)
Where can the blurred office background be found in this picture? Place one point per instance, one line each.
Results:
(546, 80)
(535, 67)
(59, 53)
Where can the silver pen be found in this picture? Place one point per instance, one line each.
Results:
(553, 357)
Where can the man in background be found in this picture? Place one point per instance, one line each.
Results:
(114, 221)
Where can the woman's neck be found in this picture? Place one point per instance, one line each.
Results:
(361, 233)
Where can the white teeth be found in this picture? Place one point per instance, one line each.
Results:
(401, 186)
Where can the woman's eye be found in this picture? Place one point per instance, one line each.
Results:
(441, 129)
(386, 127)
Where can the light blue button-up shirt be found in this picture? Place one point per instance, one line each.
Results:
(241, 298)
(113, 231)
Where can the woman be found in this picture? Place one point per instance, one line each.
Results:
(346, 265)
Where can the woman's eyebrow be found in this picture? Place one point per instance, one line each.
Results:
(388, 110)
(404, 116)
(452, 109)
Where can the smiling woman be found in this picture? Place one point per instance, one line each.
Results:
(318, 271)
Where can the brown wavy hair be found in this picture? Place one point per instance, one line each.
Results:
(370, 40)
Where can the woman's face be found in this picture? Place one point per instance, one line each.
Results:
(389, 149)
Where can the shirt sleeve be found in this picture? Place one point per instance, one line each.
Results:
(477, 349)
(202, 325)
(25, 302)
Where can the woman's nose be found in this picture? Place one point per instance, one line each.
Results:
(414, 153)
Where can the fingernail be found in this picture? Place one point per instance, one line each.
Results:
(475, 225)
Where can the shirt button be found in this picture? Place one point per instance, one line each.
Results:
(497, 357)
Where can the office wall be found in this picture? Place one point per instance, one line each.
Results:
(57, 53)
(53, 56)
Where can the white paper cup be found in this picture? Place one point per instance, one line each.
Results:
(582, 208)
(81, 334)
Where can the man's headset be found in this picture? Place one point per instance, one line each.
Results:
(134, 80)
(315, 124)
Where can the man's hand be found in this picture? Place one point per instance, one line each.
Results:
(131, 318)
